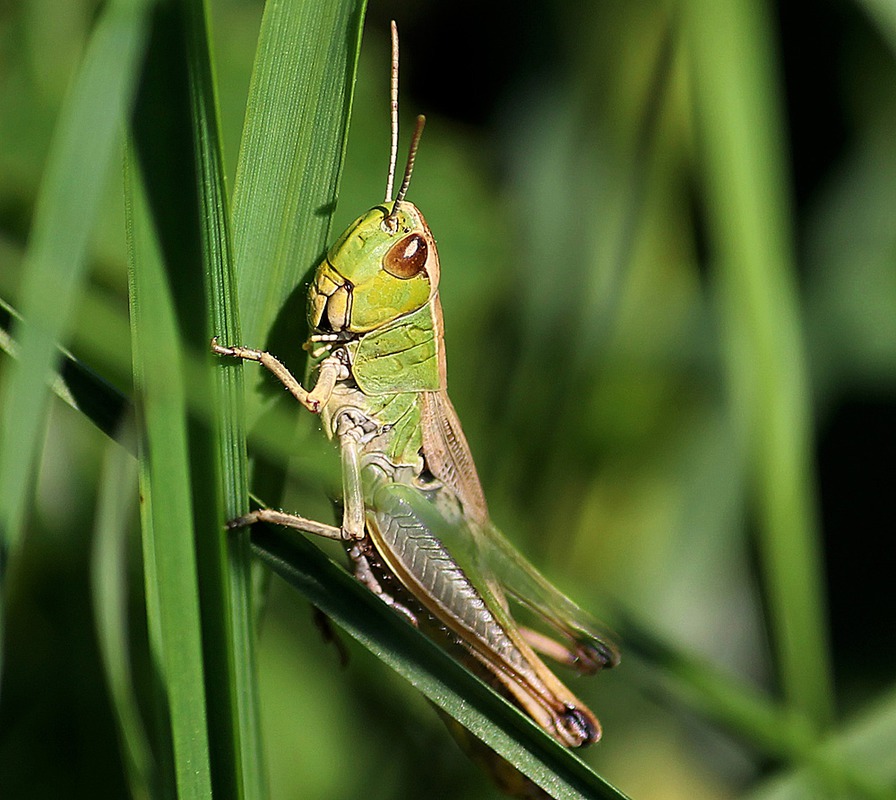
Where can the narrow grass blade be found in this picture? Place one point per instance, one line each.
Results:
(444, 681)
(770, 728)
(172, 591)
(224, 561)
(115, 508)
(868, 740)
(740, 128)
(74, 382)
(883, 13)
(86, 142)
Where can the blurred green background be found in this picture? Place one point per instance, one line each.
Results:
(599, 357)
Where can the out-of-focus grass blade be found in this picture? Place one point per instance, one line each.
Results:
(739, 126)
(115, 508)
(774, 730)
(883, 12)
(869, 741)
(444, 681)
(74, 382)
(85, 143)
(172, 591)
(106, 406)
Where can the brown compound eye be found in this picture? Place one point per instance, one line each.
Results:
(406, 258)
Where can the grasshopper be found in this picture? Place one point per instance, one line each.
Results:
(415, 523)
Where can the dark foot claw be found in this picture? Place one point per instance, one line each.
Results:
(240, 522)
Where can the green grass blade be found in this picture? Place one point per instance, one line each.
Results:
(182, 163)
(85, 143)
(225, 561)
(869, 740)
(172, 591)
(739, 125)
(288, 171)
(74, 382)
(291, 154)
(883, 13)
(289, 164)
(116, 505)
(775, 731)
(444, 681)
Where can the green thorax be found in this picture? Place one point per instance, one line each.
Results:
(391, 366)
(397, 358)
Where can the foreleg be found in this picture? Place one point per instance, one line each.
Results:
(288, 521)
(331, 370)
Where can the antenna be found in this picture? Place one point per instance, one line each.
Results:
(412, 156)
(389, 221)
(393, 95)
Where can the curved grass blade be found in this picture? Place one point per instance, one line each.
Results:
(115, 508)
(444, 681)
(742, 710)
(75, 383)
(883, 14)
(86, 390)
(868, 740)
(86, 141)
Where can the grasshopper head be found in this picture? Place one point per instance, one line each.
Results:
(384, 266)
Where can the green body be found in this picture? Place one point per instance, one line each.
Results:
(374, 310)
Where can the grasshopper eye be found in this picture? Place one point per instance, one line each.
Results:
(406, 258)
